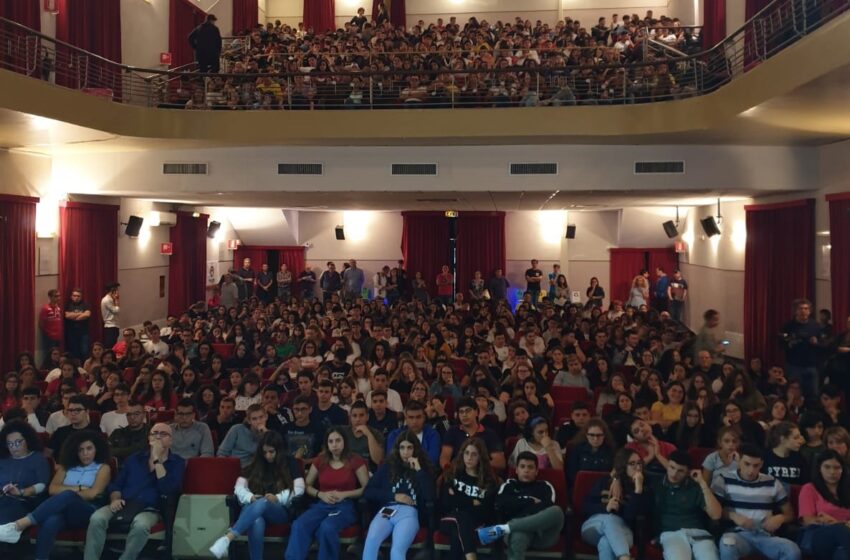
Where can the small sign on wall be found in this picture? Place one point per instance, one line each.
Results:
(232, 244)
(165, 58)
(575, 297)
(166, 249)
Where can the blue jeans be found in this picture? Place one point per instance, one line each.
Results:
(325, 521)
(252, 521)
(78, 345)
(737, 544)
(676, 309)
(535, 297)
(826, 542)
(403, 527)
(65, 510)
(609, 534)
(688, 544)
(808, 378)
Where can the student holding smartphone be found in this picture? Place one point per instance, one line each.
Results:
(401, 485)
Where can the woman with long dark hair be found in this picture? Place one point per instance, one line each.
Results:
(824, 509)
(265, 491)
(402, 484)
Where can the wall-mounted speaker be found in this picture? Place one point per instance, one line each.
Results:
(134, 226)
(571, 232)
(670, 229)
(212, 229)
(709, 226)
(340, 233)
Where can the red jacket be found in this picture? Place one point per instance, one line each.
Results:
(50, 320)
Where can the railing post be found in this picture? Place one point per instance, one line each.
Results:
(371, 89)
(289, 91)
(453, 90)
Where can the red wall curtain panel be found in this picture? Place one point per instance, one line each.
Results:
(183, 17)
(666, 258)
(88, 255)
(186, 269)
(425, 245)
(319, 15)
(480, 246)
(779, 268)
(293, 258)
(714, 22)
(624, 266)
(94, 26)
(17, 260)
(25, 12)
(839, 257)
(245, 16)
(398, 13)
(258, 255)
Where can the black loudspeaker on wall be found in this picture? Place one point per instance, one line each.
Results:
(670, 229)
(212, 229)
(340, 233)
(709, 226)
(571, 232)
(134, 226)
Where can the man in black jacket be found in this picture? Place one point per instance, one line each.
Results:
(529, 506)
(206, 41)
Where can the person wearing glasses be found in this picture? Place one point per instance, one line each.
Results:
(143, 477)
(24, 472)
(82, 474)
(133, 437)
(612, 506)
(190, 437)
(78, 418)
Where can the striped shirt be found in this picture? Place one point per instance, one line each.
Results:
(757, 499)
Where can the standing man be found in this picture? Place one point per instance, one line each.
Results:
(205, 40)
(307, 282)
(445, 285)
(379, 283)
(264, 284)
(284, 284)
(229, 296)
(353, 280)
(77, 314)
(801, 341)
(143, 478)
(330, 282)
(498, 286)
(246, 273)
(533, 276)
(677, 291)
(109, 310)
(553, 281)
(50, 322)
(662, 285)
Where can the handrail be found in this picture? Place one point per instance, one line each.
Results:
(771, 29)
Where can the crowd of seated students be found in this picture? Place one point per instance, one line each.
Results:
(443, 64)
(456, 408)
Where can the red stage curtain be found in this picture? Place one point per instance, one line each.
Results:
(425, 245)
(713, 22)
(245, 16)
(88, 255)
(319, 15)
(183, 17)
(778, 268)
(398, 15)
(293, 258)
(839, 263)
(625, 265)
(25, 12)
(258, 255)
(94, 26)
(17, 260)
(480, 246)
(186, 269)
(665, 257)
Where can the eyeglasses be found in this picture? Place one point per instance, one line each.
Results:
(76, 410)
(15, 443)
(178, 413)
(160, 435)
(595, 435)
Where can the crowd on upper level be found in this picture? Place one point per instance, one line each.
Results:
(446, 64)
(457, 408)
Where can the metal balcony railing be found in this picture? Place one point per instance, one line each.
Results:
(442, 77)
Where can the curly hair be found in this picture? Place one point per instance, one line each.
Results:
(23, 428)
(69, 456)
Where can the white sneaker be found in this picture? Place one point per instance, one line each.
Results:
(9, 533)
(219, 547)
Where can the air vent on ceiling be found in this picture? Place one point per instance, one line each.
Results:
(300, 169)
(414, 169)
(534, 169)
(659, 167)
(184, 169)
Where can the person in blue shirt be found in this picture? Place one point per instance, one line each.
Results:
(414, 422)
(24, 472)
(660, 299)
(143, 478)
(402, 485)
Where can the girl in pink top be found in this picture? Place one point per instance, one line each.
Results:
(824, 509)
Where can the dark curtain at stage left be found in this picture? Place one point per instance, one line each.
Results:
(94, 26)
(714, 22)
(778, 268)
(480, 246)
(17, 261)
(319, 15)
(245, 16)
(839, 257)
(88, 255)
(26, 13)
(186, 266)
(183, 17)
(425, 245)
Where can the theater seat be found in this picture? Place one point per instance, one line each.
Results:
(223, 350)
(585, 480)
(211, 475)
